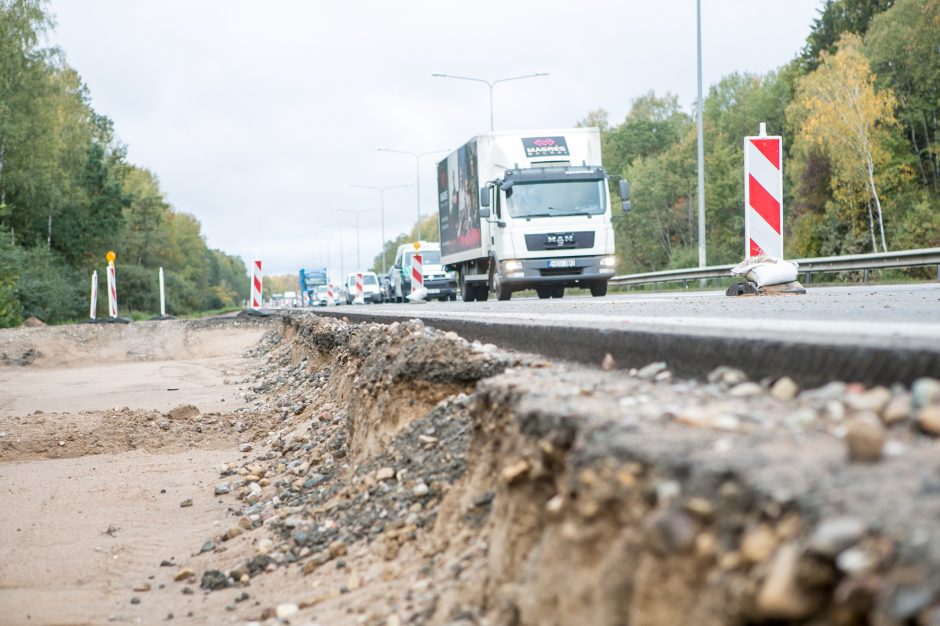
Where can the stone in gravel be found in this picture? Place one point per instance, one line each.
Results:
(925, 391)
(514, 471)
(420, 490)
(746, 390)
(780, 596)
(185, 503)
(831, 391)
(265, 545)
(865, 437)
(875, 399)
(338, 548)
(142, 587)
(758, 544)
(354, 582)
(727, 376)
(207, 547)
(135, 600)
(245, 447)
(608, 363)
(784, 389)
(897, 410)
(222, 488)
(183, 574)
(669, 531)
(386, 473)
(928, 419)
(650, 371)
(284, 611)
(832, 536)
(214, 579)
(232, 532)
(855, 561)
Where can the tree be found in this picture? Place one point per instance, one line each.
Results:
(838, 110)
(836, 18)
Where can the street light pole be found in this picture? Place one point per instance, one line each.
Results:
(356, 213)
(701, 147)
(417, 156)
(382, 191)
(490, 84)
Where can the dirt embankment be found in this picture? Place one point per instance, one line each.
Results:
(421, 479)
(395, 474)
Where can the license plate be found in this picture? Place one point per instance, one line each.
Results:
(561, 263)
(434, 291)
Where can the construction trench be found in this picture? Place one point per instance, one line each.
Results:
(391, 474)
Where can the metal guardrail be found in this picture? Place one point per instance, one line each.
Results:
(853, 262)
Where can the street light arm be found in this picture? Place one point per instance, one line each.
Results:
(476, 80)
(536, 75)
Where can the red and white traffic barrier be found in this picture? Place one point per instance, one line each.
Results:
(330, 300)
(360, 294)
(257, 277)
(418, 292)
(93, 309)
(112, 286)
(763, 195)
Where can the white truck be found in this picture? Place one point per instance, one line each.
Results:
(527, 210)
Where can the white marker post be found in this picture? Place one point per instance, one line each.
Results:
(112, 285)
(257, 276)
(93, 309)
(418, 292)
(162, 296)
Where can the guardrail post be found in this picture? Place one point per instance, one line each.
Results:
(865, 275)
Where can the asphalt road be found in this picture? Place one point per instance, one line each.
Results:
(878, 315)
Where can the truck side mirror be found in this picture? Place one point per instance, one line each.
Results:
(625, 203)
(485, 196)
(485, 212)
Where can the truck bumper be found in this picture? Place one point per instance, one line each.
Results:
(540, 272)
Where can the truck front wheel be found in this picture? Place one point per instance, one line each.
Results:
(503, 292)
(468, 292)
(598, 288)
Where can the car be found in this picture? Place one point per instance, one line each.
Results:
(321, 296)
(370, 288)
(440, 283)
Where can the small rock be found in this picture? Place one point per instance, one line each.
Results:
(353, 583)
(928, 419)
(142, 587)
(669, 532)
(865, 437)
(727, 376)
(135, 600)
(284, 611)
(214, 579)
(875, 399)
(265, 546)
(855, 561)
(186, 503)
(514, 471)
(608, 363)
(745, 390)
(207, 547)
(338, 548)
(386, 473)
(650, 371)
(183, 574)
(420, 490)
(232, 532)
(898, 409)
(834, 535)
(758, 544)
(784, 389)
(924, 392)
(245, 447)
(780, 596)
(831, 391)
(222, 488)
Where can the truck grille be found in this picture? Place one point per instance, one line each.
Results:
(561, 271)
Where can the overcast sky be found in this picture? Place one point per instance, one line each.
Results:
(257, 117)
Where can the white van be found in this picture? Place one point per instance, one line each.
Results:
(370, 288)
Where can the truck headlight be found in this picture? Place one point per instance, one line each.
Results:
(609, 261)
(512, 266)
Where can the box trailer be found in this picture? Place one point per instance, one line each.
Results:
(527, 210)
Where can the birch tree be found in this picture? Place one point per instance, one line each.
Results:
(838, 110)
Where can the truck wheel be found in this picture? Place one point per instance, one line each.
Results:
(558, 292)
(503, 292)
(543, 292)
(468, 292)
(452, 297)
(598, 288)
(482, 292)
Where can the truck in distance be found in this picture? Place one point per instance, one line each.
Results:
(527, 210)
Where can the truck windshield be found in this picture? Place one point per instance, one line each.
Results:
(582, 197)
(428, 257)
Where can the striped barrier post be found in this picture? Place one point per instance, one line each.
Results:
(112, 285)
(763, 195)
(330, 300)
(93, 309)
(256, 282)
(162, 296)
(360, 297)
(418, 292)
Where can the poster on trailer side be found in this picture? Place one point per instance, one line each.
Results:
(458, 201)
